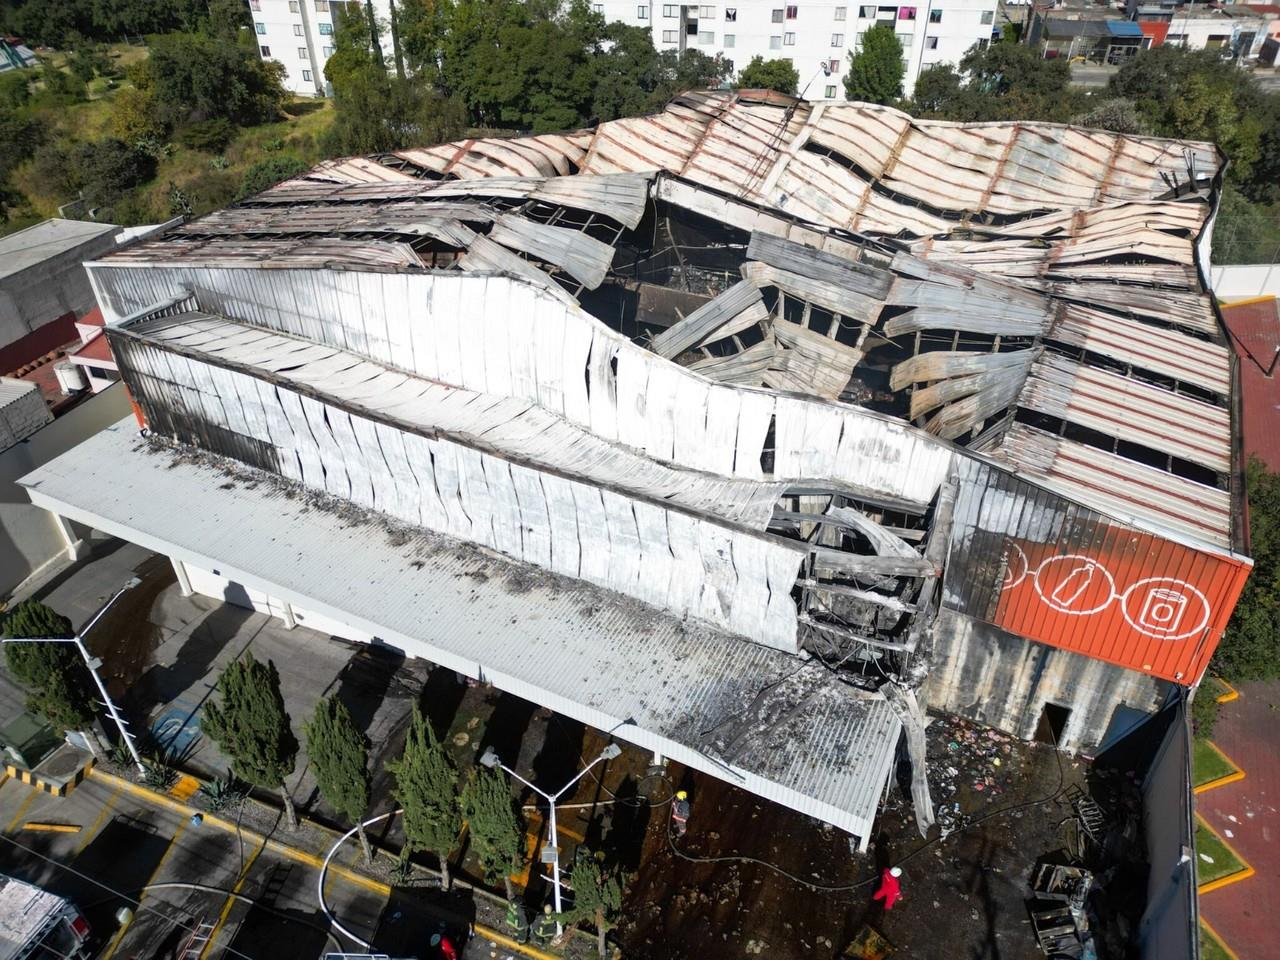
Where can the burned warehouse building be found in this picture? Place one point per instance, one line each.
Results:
(750, 430)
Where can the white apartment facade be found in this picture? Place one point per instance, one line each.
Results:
(299, 34)
(817, 37)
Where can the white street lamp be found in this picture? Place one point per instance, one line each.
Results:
(490, 759)
(93, 663)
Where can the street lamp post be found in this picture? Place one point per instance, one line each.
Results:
(93, 663)
(490, 759)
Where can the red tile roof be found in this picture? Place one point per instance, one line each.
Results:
(93, 318)
(1254, 326)
(96, 348)
(40, 372)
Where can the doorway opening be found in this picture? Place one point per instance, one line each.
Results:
(1053, 722)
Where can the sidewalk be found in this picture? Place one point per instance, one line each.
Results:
(1247, 814)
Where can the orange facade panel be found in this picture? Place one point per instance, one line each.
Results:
(1038, 566)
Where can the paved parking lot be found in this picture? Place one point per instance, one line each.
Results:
(259, 898)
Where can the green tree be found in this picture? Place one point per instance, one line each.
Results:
(427, 789)
(762, 74)
(133, 116)
(497, 833)
(376, 112)
(339, 755)
(939, 93)
(15, 90)
(108, 169)
(195, 77)
(60, 88)
(53, 673)
(267, 173)
(1003, 81)
(876, 71)
(1118, 116)
(252, 727)
(1248, 650)
(597, 895)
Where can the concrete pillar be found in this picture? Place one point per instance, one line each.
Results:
(290, 621)
(184, 581)
(74, 545)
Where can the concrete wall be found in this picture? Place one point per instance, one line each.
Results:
(29, 536)
(23, 414)
(987, 675)
(1241, 280)
(47, 290)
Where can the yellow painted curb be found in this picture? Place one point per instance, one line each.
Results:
(1235, 776)
(1265, 298)
(1242, 874)
(1218, 939)
(52, 827)
(1231, 694)
(301, 856)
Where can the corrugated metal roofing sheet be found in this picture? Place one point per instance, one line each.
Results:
(1069, 577)
(579, 650)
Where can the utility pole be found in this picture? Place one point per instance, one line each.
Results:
(490, 759)
(93, 663)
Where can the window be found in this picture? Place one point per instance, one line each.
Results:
(906, 13)
(265, 51)
(866, 13)
(326, 51)
(792, 12)
(597, 8)
(670, 36)
(728, 65)
(906, 39)
(706, 13)
(935, 16)
(789, 40)
(775, 43)
(729, 40)
(931, 43)
(983, 43)
(706, 38)
(255, 5)
(302, 54)
(670, 10)
(306, 75)
(986, 16)
(731, 14)
(857, 41)
(833, 67)
(297, 29)
(837, 39)
(326, 29)
(260, 27)
(642, 13)
(831, 93)
(841, 12)
(293, 6)
(322, 6)
(777, 16)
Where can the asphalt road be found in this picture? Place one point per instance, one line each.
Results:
(129, 850)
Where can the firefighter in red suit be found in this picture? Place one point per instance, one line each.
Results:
(890, 890)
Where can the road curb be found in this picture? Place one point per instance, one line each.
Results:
(1235, 776)
(1244, 873)
(302, 856)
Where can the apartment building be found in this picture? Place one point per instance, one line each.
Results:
(816, 37)
(299, 34)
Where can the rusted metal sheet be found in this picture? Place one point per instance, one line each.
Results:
(1069, 577)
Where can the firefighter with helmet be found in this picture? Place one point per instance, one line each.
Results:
(680, 813)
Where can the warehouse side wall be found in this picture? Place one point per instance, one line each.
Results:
(982, 673)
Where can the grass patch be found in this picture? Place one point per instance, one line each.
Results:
(1211, 947)
(1207, 763)
(1224, 862)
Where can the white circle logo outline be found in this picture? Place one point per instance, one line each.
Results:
(1008, 584)
(1055, 605)
(1161, 635)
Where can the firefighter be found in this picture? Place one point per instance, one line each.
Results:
(518, 919)
(545, 929)
(890, 889)
(680, 813)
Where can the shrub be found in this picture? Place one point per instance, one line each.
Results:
(208, 136)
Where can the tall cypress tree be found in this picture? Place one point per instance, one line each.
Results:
(252, 728)
(427, 789)
(876, 71)
(496, 831)
(597, 895)
(54, 674)
(339, 754)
